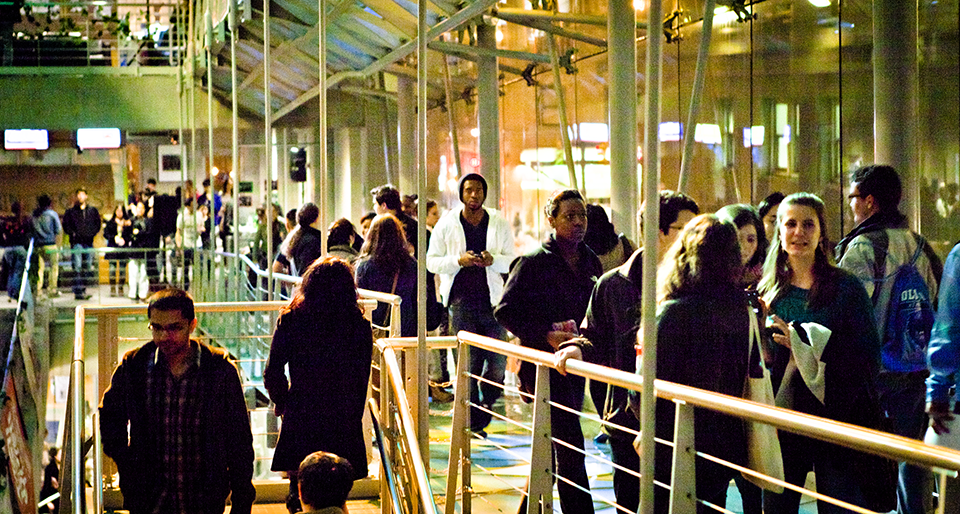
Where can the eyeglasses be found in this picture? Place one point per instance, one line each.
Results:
(171, 328)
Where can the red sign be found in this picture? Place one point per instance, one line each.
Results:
(15, 442)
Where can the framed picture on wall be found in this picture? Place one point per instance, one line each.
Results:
(170, 159)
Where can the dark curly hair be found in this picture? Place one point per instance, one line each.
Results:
(328, 292)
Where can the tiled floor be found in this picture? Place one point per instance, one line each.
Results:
(504, 454)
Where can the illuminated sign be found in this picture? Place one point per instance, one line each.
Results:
(670, 131)
(25, 139)
(98, 138)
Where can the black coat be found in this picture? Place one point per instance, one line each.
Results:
(111, 228)
(371, 275)
(702, 342)
(82, 225)
(307, 248)
(227, 441)
(141, 235)
(542, 290)
(322, 404)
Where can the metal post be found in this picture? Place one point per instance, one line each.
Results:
(895, 72)
(421, 406)
(699, 77)
(451, 117)
(183, 166)
(651, 216)
(683, 494)
(562, 111)
(488, 114)
(192, 108)
(322, 122)
(459, 456)
(235, 142)
(267, 100)
(540, 485)
(97, 463)
(77, 488)
(208, 28)
(406, 128)
(622, 115)
(387, 419)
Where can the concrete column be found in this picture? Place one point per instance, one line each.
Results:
(342, 149)
(488, 109)
(895, 73)
(407, 135)
(622, 115)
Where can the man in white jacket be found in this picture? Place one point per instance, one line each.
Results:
(469, 250)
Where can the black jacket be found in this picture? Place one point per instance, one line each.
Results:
(308, 249)
(542, 290)
(227, 439)
(323, 401)
(82, 225)
(611, 325)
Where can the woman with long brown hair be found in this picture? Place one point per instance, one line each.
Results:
(386, 265)
(702, 341)
(816, 304)
(325, 340)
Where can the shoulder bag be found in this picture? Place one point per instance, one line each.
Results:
(763, 444)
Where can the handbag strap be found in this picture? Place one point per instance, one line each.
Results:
(393, 289)
(754, 339)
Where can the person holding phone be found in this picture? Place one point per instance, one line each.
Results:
(813, 303)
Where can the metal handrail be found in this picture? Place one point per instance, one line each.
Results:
(392, 299)
(410, 343)
(388, 473)
(845, 434)
(408, 428)
(75, 412)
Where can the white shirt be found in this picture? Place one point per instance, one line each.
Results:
(448, 243)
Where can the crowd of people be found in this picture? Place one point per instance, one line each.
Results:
(846, 333)
(150, 240)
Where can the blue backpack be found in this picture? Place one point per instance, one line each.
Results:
(909, 316)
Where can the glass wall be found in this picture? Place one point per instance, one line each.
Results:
(787, 106)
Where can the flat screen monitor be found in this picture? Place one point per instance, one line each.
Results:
(98, 138)
(25, 139)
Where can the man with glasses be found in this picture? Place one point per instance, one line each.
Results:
(876, 250)
(189, 442)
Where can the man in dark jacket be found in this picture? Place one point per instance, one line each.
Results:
(189, 442)
(611, 325)
(82, 223)
(386, 200)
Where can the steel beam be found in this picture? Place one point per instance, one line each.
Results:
(699, 77)
(512, 13)
(463, 16)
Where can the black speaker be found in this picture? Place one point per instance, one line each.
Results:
(298, 164)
